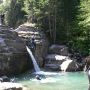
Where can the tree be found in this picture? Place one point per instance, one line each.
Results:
(15, 14)
(84, 26)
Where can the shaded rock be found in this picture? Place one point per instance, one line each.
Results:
(72, 66)
(13, 54)
(27, 32)
(56, 57)
(59, 49)
(86, 62)
(4, 79)
(52, 67)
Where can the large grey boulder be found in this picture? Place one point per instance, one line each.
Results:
(29, 31)
(4, 79)
(58, 49)
(14, 58)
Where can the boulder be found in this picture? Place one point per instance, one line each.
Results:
(86, 62)
(11, 86)
(55, 59)
(29, 31)
(73, 66)
(14, 58)
(58, 49)
(4, 79)
(69, 66)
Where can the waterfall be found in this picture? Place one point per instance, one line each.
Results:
(85, 68)
(0, 20)
(65, 65)
(36, 67)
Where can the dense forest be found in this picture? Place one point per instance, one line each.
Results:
(64, 21)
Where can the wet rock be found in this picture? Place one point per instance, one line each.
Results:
(4, 79)
(13, 54)
(69, 66)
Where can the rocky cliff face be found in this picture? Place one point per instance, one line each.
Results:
(13, 55)
(26, 32)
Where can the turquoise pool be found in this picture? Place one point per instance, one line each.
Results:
(59, 81)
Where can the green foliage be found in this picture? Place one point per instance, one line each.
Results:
(79, 34)
(4, 7)
(35, 9)
(82, 37)
(15, 14)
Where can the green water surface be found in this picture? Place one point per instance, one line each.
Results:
(63, 81)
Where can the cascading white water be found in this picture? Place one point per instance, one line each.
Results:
(0, 20)
(65, 65)
(36, 67)
(85, 68)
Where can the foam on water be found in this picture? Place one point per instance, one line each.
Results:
(47, 80)
(46, 73)
(67, 81)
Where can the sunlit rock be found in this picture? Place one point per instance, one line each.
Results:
(14, 58)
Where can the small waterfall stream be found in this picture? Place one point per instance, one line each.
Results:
(36, 67)
(0, 20)
(65, 65)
